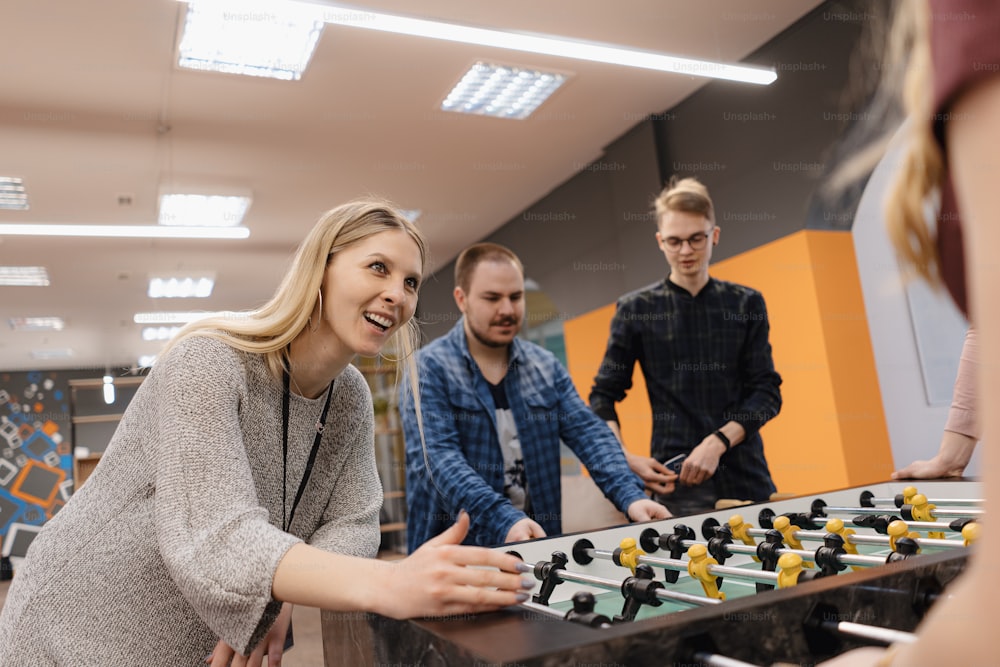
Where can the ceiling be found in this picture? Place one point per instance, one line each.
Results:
(95, 117)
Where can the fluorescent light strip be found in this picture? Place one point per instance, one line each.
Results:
(37, 323)
(181, 317)
(553, 46)
(60, 353)
(125, 231)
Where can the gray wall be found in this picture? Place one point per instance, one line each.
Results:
(585, 243)
(762, 151)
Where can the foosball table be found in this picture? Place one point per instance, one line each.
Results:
(798, 580)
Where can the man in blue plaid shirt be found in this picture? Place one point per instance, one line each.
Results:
(703, 348)
(494, 409)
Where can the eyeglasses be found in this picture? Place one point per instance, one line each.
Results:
(696, 241)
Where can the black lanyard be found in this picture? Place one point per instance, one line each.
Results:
(286, 397)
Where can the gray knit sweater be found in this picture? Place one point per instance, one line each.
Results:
(172, 543)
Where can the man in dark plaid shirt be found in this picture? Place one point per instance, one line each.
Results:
(703, 348)
(494, 409)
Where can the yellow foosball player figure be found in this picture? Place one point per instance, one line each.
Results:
(698, 566)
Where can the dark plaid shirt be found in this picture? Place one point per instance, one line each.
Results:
(707, 361)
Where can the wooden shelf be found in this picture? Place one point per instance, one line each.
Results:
(98, 383)
(392, 527)
(82, 467)
(389, 448)
(98, 419)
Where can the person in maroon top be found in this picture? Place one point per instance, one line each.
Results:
(952, 148)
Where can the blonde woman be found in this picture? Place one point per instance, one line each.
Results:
(242, 479)
(953, 101)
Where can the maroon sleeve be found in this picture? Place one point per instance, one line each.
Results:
(965, 49)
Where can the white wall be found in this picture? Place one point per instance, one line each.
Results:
(916, 332)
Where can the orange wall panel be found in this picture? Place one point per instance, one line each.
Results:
(586, 338)
(864, 435)
(802, 443)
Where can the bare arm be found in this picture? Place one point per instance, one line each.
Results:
(434, 580)
(950, 461)
(961, 431)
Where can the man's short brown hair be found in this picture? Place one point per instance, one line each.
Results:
(478, 253)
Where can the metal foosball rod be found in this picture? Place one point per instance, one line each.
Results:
(702, 567)
(879, 523)
(868, 499)
(629, 556)
(716, 660)
(637, 590)
(919, 507)
(884, 540)
(582, 611)
(831, 557)
(611, 584)
(870, 632)
(825, 618)
(886, 636)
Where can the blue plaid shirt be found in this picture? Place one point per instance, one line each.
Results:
(707, 361)
(463, 467)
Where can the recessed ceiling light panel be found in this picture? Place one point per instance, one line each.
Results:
(24, 276)
(13, 196)
(159, 333)
(266, 39)
(196, 210)
(501, 91)
(180, 287)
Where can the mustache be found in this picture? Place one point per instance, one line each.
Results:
(504, 321)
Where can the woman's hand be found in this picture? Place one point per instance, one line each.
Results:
(444, 578)
(273, 646)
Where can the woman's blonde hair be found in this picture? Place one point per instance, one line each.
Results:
(921, 172)
(269, 329)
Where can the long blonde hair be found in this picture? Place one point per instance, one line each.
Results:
(269, 329)
(921, 172)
